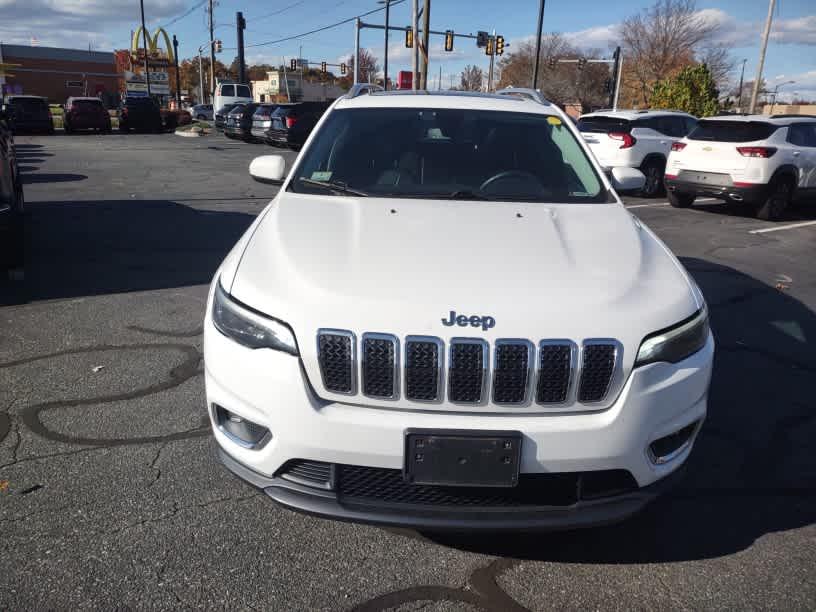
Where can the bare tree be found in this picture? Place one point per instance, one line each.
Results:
(368, 66)
(660, 41)
(720, 64)
(471, 79)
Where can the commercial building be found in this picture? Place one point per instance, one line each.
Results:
(283, 86)
(59, 73)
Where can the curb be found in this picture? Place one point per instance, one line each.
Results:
(189, 134)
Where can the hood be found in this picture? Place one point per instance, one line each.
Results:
(400, 266)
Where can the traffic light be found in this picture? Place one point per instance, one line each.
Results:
(581, 63)
(608, 85)
(218, 46)
(409, 37)
(499, 45)
(323, 67)
(489, 46)
(449, 40)
(293, 64)
(481, 38)
(551, 63)
(343, 68)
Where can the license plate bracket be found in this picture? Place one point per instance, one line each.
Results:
(462, 458)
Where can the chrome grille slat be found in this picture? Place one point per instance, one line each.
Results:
(512, 371)
(379, 366)
(424, 356)
(555, 365)
(467, 370)
(598, 362)
(336, 353)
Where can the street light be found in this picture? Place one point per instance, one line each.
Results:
(776, 91)
(387, 4)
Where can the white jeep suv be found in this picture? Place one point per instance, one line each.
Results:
(636, 139)
(764, 161)
(456, 325)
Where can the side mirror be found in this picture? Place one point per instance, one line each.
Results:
(627, 179)
(268, 169)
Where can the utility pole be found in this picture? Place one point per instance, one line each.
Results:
(240, 22)
(762, 50)
(201, 99)
(385, 60)
(178, 80)
(357, 50)
(742, 76)
(144, 37)
(414, 22)
(212, 53)
(538, 43)
(439, 86)
(426, 50)
(615, 70)
(618, 82)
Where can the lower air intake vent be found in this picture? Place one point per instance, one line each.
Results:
(335, 352)
(309, 473)
(597, 366)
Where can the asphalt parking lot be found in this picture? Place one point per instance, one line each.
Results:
(110, 494)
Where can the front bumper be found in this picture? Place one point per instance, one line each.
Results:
(325, 504)
(270, 388)
(753, 194)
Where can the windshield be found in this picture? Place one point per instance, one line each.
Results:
(448, 153)
(603, 125)
(29, 103)
(732, 131)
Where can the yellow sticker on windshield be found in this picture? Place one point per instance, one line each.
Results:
(553, 121)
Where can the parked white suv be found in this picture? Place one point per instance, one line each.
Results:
(766, 162)
(636, 139)
(456, 326)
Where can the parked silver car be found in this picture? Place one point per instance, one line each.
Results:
(262, 120)
(202, 112)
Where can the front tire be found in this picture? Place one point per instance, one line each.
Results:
(777, 201)
(680, 200)
(653, 170)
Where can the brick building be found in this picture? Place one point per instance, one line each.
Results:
(60, 73)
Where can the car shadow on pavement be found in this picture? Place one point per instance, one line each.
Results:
(53, 177)
(99, 247)
(753, 469)
(800, 211)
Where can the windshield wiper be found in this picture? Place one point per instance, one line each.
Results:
(333, 186)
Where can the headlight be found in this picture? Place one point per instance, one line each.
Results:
(675, 343)
(249, 328)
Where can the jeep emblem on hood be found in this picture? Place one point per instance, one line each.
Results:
(474, 321)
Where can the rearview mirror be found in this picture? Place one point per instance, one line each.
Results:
(627, 179)
(268, 169)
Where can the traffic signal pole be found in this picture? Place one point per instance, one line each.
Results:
(144, 37)
(538, 43)
(357, 50)
(175, 63)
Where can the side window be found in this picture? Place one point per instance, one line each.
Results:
(797, 135)
(227, 90)
(810, 135)
(689, 124)
(243, 91)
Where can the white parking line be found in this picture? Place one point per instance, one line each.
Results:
(779, 228)
(648, 205)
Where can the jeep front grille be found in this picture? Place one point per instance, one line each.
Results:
(553, 373)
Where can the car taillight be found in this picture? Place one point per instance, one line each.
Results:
(290, 121)
(763, 152)
(678, 146)
(628, 139)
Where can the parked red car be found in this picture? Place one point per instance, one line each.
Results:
(86, 114)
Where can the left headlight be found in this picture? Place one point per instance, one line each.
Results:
(249, 328)
(677, 342)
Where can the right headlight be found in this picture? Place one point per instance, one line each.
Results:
(248, 327)
(677, 342)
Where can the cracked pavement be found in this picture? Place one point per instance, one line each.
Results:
(110, 494)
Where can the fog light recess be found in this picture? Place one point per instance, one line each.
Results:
(669, 447)
(240, 430)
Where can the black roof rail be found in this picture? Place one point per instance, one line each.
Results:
(793, 116)
(359, 89)
(525, 92)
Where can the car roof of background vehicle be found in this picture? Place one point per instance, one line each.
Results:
(24, 97)
(635, 114)
(466, 100)
(84, 98)
(778, 121)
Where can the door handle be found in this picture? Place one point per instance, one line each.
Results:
(796, 153)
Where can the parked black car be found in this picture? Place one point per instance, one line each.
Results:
(291, 125)
(221, 115)
(12, 203)
(28, 114)
(140, 114)
(239, 122)
(85, 114)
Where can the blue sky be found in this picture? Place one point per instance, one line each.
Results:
(106, 24)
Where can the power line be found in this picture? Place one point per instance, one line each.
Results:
(328, 27)
(278, 12)
(186, 13)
